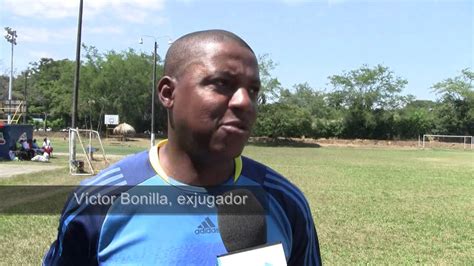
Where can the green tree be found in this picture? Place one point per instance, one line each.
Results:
(305, 97)
(270, 86)
(455, 113)
(110, 83)
(417, 118)
(50, 88)
(282, 120)
(366, 94)
(4, 87)
(120, 83)
(325, 120)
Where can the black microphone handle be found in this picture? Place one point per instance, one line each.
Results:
(242, 226)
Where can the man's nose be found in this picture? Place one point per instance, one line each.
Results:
(241, 99)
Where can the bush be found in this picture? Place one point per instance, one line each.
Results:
(281, 120)
(326, 128)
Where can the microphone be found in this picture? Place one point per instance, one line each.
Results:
(243, 230)
(242, 226)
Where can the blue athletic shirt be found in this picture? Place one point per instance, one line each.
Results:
(91, 238)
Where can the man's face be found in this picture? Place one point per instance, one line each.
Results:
(215, 100)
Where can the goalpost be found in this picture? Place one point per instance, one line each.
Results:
(448, 141)
(77, 165)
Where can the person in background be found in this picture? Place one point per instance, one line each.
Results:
(31, 151)
(12, 155)
(36, 148)
(13, 152)
(41, 158)
(47, 146)
(25, 153)
(24, 145)
(35, 145)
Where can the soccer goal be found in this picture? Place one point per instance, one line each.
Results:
(448, 141)
(86, 152)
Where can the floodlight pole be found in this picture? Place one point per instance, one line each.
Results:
(10, 36)
(75, 93)
(153, 93)
(153, 88)
(10, 87)
(26, 102)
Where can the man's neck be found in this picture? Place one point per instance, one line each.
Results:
(190, 170)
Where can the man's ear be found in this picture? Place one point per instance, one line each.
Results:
(166, 87)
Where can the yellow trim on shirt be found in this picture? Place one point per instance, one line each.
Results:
(155, 162)
(238, 168)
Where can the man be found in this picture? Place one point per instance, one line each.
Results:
(209, 89)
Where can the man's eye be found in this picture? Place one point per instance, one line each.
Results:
(254, 91)
(221, 83)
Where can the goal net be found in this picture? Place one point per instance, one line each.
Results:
(448, 141)
(86, 152)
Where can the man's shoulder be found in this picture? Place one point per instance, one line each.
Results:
(275, 183)
(130, 170)
(253, 169)
(109, 182)
(264, 174)
(288, 205)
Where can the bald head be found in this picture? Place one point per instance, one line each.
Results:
(189, 47)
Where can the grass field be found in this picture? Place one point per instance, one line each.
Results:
(377, 206)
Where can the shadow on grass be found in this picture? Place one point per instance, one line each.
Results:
(281, 142)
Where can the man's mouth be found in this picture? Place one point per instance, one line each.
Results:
(235, 127)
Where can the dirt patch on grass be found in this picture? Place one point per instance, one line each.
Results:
(16, 168)
(323, 142)
(369, 143)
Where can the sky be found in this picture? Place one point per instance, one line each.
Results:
(422, 41)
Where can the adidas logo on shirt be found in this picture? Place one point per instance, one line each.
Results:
(206, 227)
